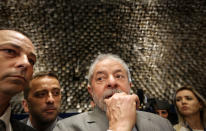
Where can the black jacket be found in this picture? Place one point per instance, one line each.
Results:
(19, 126)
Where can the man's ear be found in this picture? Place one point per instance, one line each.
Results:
(201, 105)
(130, 84)
(89, 88)
(25, 106)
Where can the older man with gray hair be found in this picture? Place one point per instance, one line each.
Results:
(109, 86)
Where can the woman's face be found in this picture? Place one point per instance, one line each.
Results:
(162, 113)
(187, 103)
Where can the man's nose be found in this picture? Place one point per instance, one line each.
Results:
(23, 61)
(50, 98)
(112, 83)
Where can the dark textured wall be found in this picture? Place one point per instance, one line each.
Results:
(164, 42)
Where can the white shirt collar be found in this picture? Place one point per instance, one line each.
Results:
(29, 123)
(6, 118)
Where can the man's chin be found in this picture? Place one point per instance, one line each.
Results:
(49, 116)
(102, 106)
(48, 119)
(100, 103)
(12, 92)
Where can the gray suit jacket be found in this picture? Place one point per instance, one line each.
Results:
(97, 121)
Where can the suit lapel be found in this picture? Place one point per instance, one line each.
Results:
(97, 120)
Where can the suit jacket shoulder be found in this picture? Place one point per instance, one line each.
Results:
(87, 121)
(151, 122)
(97, 121)
(19, 126)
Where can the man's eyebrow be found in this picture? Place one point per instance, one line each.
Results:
(33, 54)
(118, 70)
(55, 89)
(40, 90)
(99, 72)
(10, 44)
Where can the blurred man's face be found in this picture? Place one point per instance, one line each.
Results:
(109, 77)
(44, 99)
(17, 58)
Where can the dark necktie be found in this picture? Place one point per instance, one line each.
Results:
(2, 126)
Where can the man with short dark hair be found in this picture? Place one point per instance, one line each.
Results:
(42, 100)
(115, 108)
(17, 58)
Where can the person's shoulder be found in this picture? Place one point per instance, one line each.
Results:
(71, 123)
(74, 117)
(177, 127)
(17, 126)
(149, 120)
(148, 115)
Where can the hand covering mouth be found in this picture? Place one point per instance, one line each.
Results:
(108, 96)
(110, 93)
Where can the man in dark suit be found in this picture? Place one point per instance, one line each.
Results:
(17, 58)
(42, 100)
(110, 87)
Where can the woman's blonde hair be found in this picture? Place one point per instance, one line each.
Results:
(200, 98)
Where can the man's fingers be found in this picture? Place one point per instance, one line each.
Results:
(106, 100)
(136, 98)
(116, 95)
(123, 95)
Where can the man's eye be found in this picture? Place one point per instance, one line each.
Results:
(119, 76)
(56, 93)
(9, 51)
(99, 78)
(40, 95)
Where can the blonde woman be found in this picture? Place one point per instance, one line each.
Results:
(191, 110)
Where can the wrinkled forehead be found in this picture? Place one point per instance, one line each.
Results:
(108, 65)
(44, 80)
(16, 38)
(5, 34)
